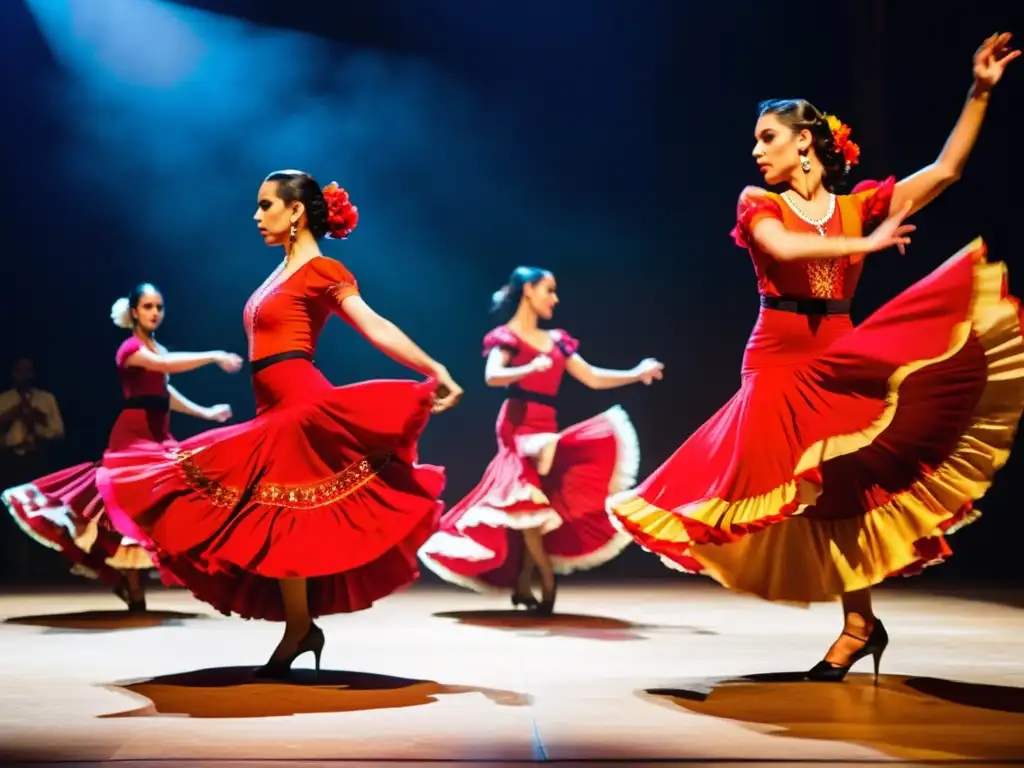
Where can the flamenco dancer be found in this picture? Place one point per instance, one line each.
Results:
(848, 453)
(549, 486)
(64, 510)
(316, 506)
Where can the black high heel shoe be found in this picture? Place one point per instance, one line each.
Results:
(529, 602)
(874, 646)
(547, 605)
(312, 641)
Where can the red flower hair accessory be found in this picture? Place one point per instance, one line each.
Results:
(841, 134)
(342, 216)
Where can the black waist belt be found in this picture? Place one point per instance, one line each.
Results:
(265, 362)
(147, 403)
(807, 306)
(517, 393)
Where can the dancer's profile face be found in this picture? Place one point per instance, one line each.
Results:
(777, 151)
(542, 296)
(273, 215)
(149, 312)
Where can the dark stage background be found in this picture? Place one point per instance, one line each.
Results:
(606, 140)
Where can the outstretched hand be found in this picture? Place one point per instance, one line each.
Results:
(541, 363)
(448, 393)
(892, 232)
(218, 413)
(991, 58)
(650, 370)
(229, 362)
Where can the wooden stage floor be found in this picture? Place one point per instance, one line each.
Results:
(673, 673)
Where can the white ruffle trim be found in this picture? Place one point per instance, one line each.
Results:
(29, 501)
(461, 547)
(627, 467)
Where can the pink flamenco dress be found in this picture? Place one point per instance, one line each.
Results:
(322, 484)
(849, 454)
(64, 510)
(594, 458)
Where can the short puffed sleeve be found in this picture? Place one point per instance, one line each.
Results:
(754, 204)
(330, 280)
(874, 199)
(129, 347)
(501, 338)
(566, 343)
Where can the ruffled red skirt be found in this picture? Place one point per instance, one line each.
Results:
(323, 484)
(474, 546)
(64, 511)
(848, 454)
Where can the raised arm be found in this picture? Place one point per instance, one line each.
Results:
(393, 342)
(498, 373)
(920, 188)
(759, 222)
(388, 337)
(606, 378)
(774, 239)
(180, 362)
(181, 404)
(334, 284)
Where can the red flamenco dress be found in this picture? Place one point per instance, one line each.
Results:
(594, 458)
(322, 484)
(849, 453)
(64, 510)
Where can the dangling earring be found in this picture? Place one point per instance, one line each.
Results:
(805, 163)
(291, 235)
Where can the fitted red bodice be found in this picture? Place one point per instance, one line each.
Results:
(288, 312)
(519, 415)
(521, 353)
(135, 381)
(815, 278)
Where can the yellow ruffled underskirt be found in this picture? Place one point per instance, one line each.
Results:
(128, 557)
(803, 560)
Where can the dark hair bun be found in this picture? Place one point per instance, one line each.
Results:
(328, 211)
(507, 297)
(799, 115)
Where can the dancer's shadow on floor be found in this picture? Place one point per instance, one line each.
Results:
(235, 692)
(910, 718)
(582, 626)
(103, 621)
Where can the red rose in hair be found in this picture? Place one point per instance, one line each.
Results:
(342, 216)
(841, 134)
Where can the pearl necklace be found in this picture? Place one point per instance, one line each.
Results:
(818, 224)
